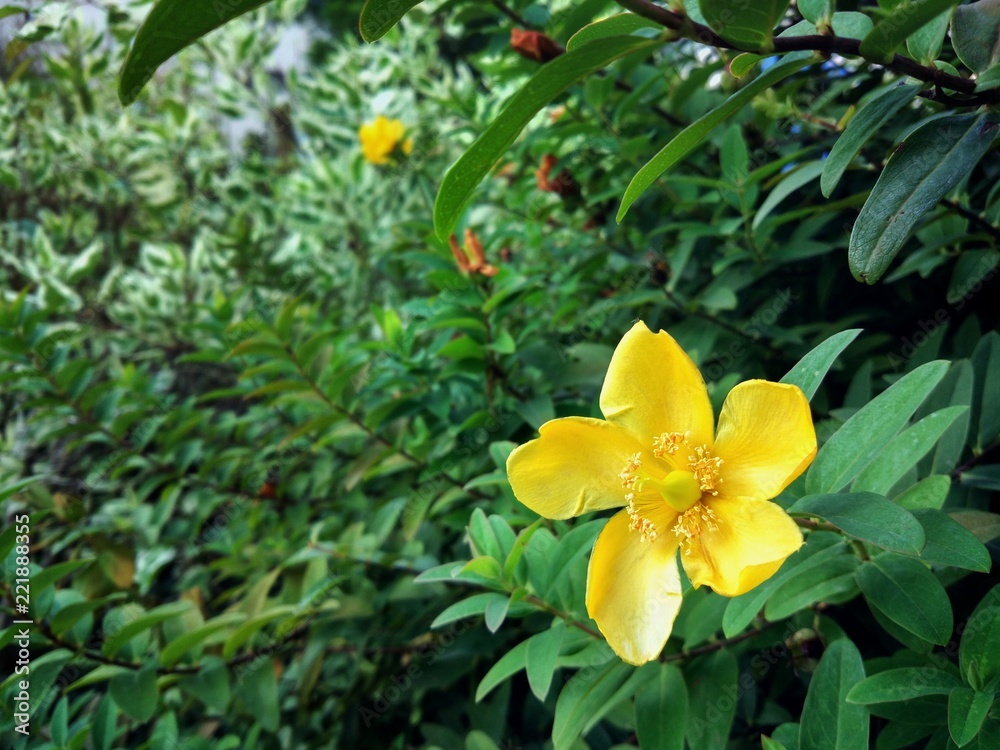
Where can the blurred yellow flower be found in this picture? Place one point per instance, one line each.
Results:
(381, 137)
(683, 488)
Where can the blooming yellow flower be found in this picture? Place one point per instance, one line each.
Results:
(380, 138)
(683, 488)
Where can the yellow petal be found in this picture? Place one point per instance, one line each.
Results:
(751, 539)
(653, 387)
(765, 439)
(633, 590)
(572, 468)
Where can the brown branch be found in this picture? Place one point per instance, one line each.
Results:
(824, 44)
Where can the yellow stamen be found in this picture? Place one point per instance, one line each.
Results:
(706, 468)
(669, 443)
(689, 525)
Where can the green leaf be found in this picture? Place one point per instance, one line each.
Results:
(661, 710)
(950, 543)
(250, 627)
(496, 612)
(587, 697)
(514, 556)
(766, 743)
(474, 605)
(816, 11)
(258, 690)
(210, 684)
(854, 445)
(546, 84)
(748, 26)
(102, 731)
(967, 710)
(170, 27)
(829, 722)
(905, 450)
(903, 684)
(875, 112)
(928, 164)
(833, 580)
(47, 577)
(379, 16)
(142, 623)
(135, 692)
(809, 372)
(979, 650)
(820, 549)
(975, 35)
(927, 493)
(709, 718)
(622, 24)
(792, 183)
(510, 663)
(907, 593)
(904, 20)
(685, 141)
(866, 516)
(184, 643)
(540, 658)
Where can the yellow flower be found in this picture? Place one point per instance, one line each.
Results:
(380, 138)
(683, 488)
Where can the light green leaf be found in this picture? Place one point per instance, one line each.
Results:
(904, 20)
(809, 372)
(792, 183)
(170, 27)
(967, 710)
(907, 593)
(829, 722)
(545, 85)
(816, 11)
(661, 710)
(866, 516)
(854, 445)
(540, 658)
(685, 141)
(905, 450)
(621, 24)
(929, 163)
(903, 684)
(379, 16)
(875, 112)
(474, 605)
(927, 493)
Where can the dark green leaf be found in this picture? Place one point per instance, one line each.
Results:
(661, 710)
(378, 16)
(712, 704)
(829, 722)
(929, 163)
(170, 27)
(950, 543)
(904, 20)
(903, 684)
(866, 516)
(746, 25)
(906, 592)
(967, 710)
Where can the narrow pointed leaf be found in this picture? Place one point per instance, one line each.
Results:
(812, 368)
(379, 16)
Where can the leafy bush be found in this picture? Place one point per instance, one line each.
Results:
(258, 395)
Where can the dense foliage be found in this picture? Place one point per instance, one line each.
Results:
(257, 398)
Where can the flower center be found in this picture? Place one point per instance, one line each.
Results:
(670, 492)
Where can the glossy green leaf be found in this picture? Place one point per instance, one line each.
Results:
(855, 444)
(545, 85)
(829, 722)
(928, 164)
(906, 592)
(875, 112)
(809, 372)
(903, 684)
(979, 650)
(967, 710)
(170, 27)
(379, 16)
(686, 141)
(661, 707)
(746, 25)
(975, 34)
(540, 658)
(588, 697)
(866, 516)
(905, 450)
(904, 20)
(621, 24)
(927, 493)
(950, 543)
